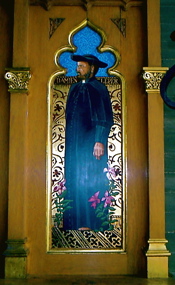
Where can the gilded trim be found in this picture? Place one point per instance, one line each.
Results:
(152, 77)
(18, 79)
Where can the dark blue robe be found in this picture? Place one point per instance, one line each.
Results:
(88, 120)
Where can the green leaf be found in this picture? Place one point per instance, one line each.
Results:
(105, 223)
(115, 193)
(99, 214)
(105, 210)
(61, 210)
(103, 218)
(63, 194)
(113, 221)
(110, 228)
(111, 208)
(65, 203)
(67, 208)
(98, 208)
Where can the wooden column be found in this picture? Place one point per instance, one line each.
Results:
(157, 254)
(18, 77)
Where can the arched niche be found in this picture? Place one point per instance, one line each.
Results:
(112, 239)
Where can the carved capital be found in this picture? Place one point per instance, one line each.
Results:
(18, 79)
(152, 77)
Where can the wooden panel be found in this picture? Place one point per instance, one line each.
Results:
(41, 52)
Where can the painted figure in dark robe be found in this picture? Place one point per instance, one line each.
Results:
(88, 121)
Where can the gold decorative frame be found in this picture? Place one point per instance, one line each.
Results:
(60, 72)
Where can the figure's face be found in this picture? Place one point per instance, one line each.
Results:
(84, 70)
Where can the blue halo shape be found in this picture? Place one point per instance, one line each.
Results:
(164, 85)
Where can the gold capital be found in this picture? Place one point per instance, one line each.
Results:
(18, 79)
(153, 77)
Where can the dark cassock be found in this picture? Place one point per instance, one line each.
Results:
(89, 118)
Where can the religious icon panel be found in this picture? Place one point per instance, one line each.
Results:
(105, 202)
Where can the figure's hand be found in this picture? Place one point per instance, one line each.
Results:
(98, 150)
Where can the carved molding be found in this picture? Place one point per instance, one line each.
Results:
(157, 247)
(16, 259)
(16, 248)
(86, 4)
(157, 258)
(152, 77)
(18, 79)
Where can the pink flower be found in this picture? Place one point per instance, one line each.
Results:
(94, 199)
(107, 199)
(60, 187)
(111, 172)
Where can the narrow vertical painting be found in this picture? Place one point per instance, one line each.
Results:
(86, 149)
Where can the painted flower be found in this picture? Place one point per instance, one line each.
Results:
(107, 199)
(56, 173)
(111, 172)
(60, 187)
(57, 107)
(117, 107)
(94, 199)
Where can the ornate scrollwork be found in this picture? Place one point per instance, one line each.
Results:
(88, 239)
(153, 78)
(18, 80)
(121, 25)
(54, 24)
